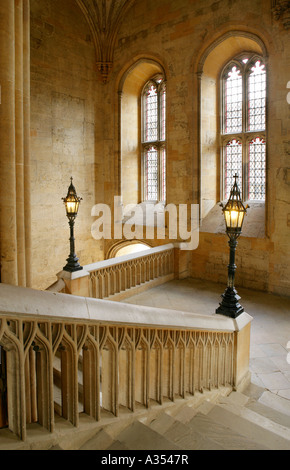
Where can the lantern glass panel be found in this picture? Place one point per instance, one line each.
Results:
(234, 216)
(72, 205)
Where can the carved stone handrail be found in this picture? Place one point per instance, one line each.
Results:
(128, 354)
(118, 278)
(108, 279)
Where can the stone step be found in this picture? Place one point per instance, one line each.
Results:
(275, 402)
(238, 421)
(117, 445)
(177, 434)
(253, 391)
(102, 440)
(268, 404)
(199, 432)
(184, 413)
(222, 434)
(139, 436)
(188, 439)
(258, 413)
(161, 423)
(236, 399)
(273, 415)
(251, 428)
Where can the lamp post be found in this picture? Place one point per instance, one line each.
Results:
(234, 213)
(72, 202)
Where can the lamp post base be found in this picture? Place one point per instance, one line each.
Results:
(230, 304)
(72, 264)
(72, 261)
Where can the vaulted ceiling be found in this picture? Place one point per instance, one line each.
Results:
(104, 18)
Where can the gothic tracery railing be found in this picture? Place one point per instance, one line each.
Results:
(69, 355)
(114, 276)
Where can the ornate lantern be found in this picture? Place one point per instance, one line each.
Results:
(72, 202)
(234, 213)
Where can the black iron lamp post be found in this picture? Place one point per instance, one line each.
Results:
(72, 202)
(234, 213)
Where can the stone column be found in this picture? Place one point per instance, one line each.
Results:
(26, 138)
(14, 142)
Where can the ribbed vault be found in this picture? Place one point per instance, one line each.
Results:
(105, 18)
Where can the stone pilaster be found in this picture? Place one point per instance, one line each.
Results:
(14, 141)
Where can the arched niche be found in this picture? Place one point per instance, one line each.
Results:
(39, 383)
(127, 247)
(130, 89)
(13, 411)
(209, 69)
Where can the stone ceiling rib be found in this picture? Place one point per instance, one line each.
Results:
(104, 18)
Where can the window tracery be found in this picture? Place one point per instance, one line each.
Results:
(154, 140)
(243, 126)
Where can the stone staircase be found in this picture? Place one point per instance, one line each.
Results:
(253, 420)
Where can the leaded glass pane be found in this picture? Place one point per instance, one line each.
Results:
(233, 165)
(151, 114)
(257, 97)
(163, 174)
(257, 169)
(233, 117)
(163, 112)
(151, 173)
(154, 136)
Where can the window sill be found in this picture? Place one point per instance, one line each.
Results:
(254, 223)
(145, 214)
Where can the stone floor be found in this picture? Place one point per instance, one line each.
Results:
(270, 330)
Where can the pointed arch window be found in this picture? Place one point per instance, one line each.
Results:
(243, 126)
(154, 140)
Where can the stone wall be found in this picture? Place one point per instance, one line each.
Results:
(77, 129)
(181, 35)
(65, 103)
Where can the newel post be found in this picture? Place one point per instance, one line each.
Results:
(242, 334)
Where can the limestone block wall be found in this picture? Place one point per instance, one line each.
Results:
(76, 129)
(180, 35)
(65, 103)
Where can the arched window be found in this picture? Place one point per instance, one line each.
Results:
(243, 126)
(154, 140)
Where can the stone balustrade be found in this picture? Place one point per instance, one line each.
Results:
(67, 355)
(118, 278)
(119, 275)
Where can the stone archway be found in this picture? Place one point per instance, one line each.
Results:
(127, 247)
(208, 69)
(130, 87)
